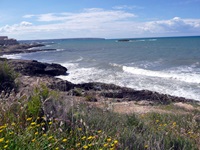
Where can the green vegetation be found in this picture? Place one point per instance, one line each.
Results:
(25, 124)
(7, 78)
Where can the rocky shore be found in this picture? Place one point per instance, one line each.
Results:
(22, 48)
(32, 73)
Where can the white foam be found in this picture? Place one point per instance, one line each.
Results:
(12, 56)
(184, 77)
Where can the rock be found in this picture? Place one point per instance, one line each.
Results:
(35, 68)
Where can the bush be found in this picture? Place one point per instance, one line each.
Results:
(7, 78)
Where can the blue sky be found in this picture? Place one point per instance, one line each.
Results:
(47, 19)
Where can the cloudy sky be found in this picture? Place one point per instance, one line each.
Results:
(47, 19)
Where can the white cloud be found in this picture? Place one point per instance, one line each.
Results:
(175, 25)
(120, 7)
(88, 14)
(16, 27)
(97, 22)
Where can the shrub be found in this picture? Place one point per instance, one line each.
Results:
(7, 78)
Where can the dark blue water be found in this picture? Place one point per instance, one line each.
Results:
(165, 65)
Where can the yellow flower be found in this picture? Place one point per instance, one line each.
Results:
(51, 137)
(33, 123)
(36, 133)
(42, 124)
(83, 138)
(29, 119)
(78, 144)
(1, 140)
(5, 146)
(115, 142)
(105, 145)
(57, 148)
(157, 121)
(146, 146)
(44, 134)
(80, 129)
(99, 131)
(112, 148)
(85, 146)
(11, 132)
(174, 124)
(90, 137)
(64, 140)
(7, 141)
(13, 124)
(109, 139)
(33, 140)
(1, 130)
(89, 145)
(50, 123)
(3, 127)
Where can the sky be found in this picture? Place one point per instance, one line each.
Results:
(52, 19)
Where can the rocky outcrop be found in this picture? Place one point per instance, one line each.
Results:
(45, 73)
(35, 68)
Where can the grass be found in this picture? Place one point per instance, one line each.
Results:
(7, 78)
(24, 124)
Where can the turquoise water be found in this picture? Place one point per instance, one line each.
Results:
(166, 65)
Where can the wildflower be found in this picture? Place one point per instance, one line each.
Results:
(109, 139)
(115, 142)
(99, 131)
(13, 124)
(105, 145)
(44, 134)
(1, 140)
(29, 119)
(174, 124)
(80, 129)
(1, 130)
(146, 146)
(64, 140)
(38, 118)
(78, 144)
(85, 146)
(33, 123)
(7, 141)
(112, 148)
(11, 132)
(50, 123)
(3, 127)
(51, 137)
(36, 133)
(33, 140)
(57, 148)
(83, 138)
(157, 121)
(90, 137)
(165, 125)
(89, 145)
(5, 146)
(42, 124)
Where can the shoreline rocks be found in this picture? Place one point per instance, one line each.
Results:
(35, 68)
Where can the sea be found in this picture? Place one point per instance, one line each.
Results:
(169, 65)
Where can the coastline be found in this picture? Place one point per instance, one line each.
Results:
(34, 72)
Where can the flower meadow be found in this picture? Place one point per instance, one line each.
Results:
(38, 121)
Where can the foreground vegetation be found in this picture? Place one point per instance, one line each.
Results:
(29, 122)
